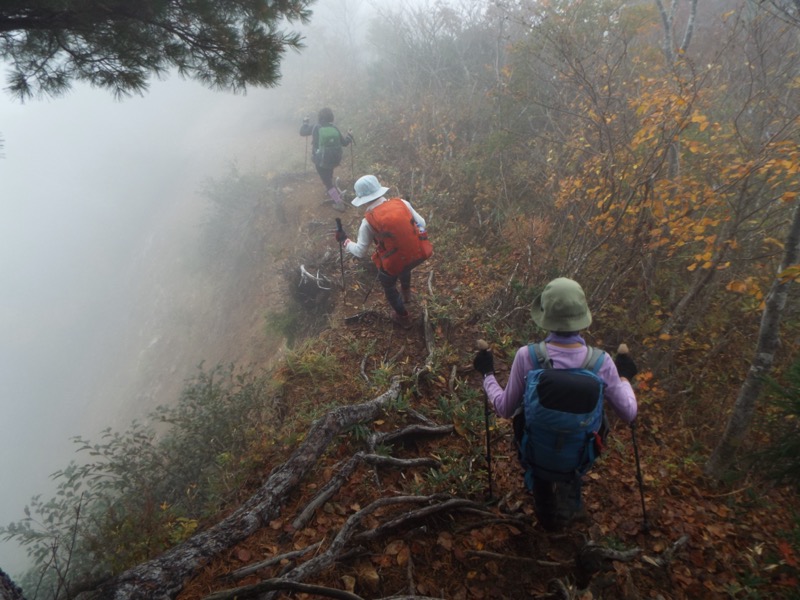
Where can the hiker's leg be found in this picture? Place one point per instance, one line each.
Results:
(544, 498)
(326, 175)
(389, 284)
(568, 500)
(405, 278)
(405, 286)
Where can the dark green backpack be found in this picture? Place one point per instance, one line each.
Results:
(329, 151)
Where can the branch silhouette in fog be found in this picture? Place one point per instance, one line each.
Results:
(118, 45)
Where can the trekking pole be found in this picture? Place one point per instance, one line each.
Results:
(645, 523)
(369, 291)
(304, 133)
(341, 250)
(483, 346)
(352, 160)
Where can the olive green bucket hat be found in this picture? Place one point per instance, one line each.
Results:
(561, 307)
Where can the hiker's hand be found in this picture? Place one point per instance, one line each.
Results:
(484, 362)
(341, 236)
(625, 366)
(305, 120)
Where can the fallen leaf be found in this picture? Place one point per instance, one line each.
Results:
(722, 510)
(394, 547)
(349, 583)
(368, 576)
(244, 555)
(787, 553)
(445, 540)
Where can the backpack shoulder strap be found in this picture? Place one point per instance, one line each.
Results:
(594, 359)
(539, 356)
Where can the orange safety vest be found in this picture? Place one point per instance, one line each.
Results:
(399, 240)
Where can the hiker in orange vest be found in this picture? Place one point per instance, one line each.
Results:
(400, 239)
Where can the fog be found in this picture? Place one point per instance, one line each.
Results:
(85, 184)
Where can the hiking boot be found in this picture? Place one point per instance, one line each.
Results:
(403, 321)
(581, 515)
(335, 195)
(408, 295)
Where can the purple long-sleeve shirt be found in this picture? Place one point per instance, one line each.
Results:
(618, 392)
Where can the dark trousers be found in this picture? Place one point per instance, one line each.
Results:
(556, 502)
(326, 175)
(389, 284)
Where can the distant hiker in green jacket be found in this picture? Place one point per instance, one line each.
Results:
(326, 150)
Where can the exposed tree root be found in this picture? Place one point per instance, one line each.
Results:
(411, 430)
(344, 473)
(522, 559)
(164, 576)
(250, 569)
(294, 586)
(348, 534)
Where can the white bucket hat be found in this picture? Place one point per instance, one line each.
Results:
(367, 189)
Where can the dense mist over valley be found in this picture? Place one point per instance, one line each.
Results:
(90, 187)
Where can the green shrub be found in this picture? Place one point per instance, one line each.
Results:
(140, 492)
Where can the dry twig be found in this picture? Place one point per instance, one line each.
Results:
(250, 569)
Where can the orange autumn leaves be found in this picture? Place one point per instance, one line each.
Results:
(676, 182)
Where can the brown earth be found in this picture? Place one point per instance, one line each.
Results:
(700, 540)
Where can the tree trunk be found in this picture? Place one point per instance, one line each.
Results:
(745, 405)
(163, 577)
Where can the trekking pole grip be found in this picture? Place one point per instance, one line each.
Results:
(338, 224)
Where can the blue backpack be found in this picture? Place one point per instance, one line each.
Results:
(564, 421)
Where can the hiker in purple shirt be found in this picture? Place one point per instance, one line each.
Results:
(562, 310)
